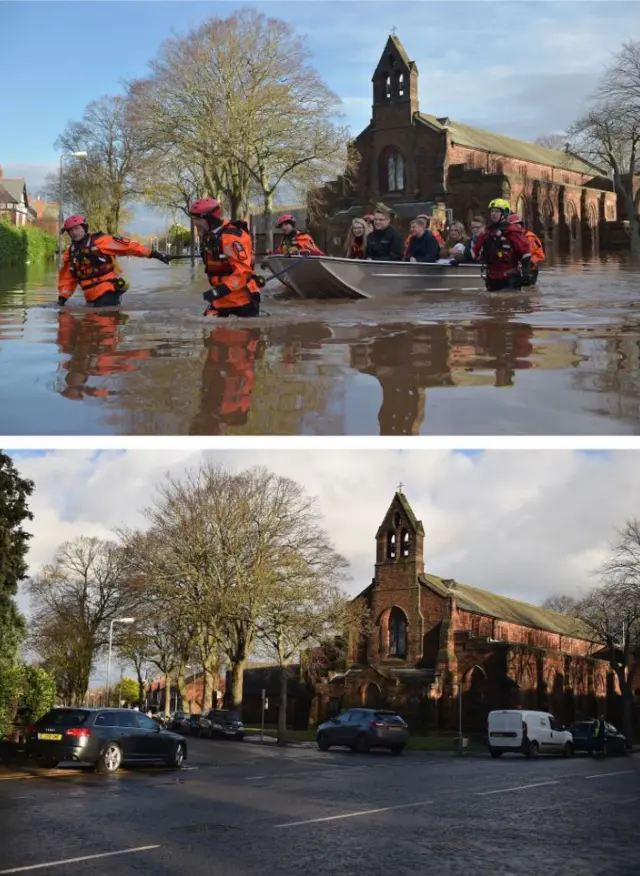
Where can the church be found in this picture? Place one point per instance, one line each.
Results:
(416, 163)
(427, 635)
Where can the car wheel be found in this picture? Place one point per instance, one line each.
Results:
(495, 752)
(568, 750)
(323, 742)
(397, 749)
(46, 762)
(176, 758)
(362, 744)
(240, 737)
(533, 749)
(110, 759)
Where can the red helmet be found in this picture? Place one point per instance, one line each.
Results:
(286, 217)
(204, 206)
(368, 217)
(76, 219)
(514, 219)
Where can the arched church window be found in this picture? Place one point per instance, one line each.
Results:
(404, 543)
(400, 84)
(391, 546)
(387, 88)
(391, 165)
(397, 633)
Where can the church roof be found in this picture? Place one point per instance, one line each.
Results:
(476, 138)
(504, 608)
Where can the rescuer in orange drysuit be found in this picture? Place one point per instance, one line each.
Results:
(294, 242)
(227, 254)
(90, 262)
(91, 343)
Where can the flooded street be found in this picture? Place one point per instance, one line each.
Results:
(563, 360)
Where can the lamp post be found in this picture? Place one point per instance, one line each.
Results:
(60, 213)
(117, 620)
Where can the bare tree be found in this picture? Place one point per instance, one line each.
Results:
(104, 183)
(87, 585)
(553, 141)
(561, 603)
(133, 646)
(608, 135)
(237, 99)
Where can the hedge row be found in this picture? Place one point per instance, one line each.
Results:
(25, 244)
(23, 686)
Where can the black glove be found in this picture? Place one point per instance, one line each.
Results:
(61, 301)
(216, 292)
(525, 268)
(260, 280)
(161, 256)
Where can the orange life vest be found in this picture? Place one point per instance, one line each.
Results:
(537, 251)
(297, 242)
(91, 267)
(228, 262)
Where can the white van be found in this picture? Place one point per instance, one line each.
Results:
(528, 733)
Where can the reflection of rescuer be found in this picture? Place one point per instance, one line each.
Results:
(90, 261)
(504, 249)
(228, 378)
(227, 254)
(91, 342)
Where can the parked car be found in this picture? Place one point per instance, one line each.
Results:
(527, 732)
(105, 738)
(364, 729)
(584, 738)
(179, 722)
(222, 723)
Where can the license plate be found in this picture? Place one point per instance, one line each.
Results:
(395, 728)
(54, 737)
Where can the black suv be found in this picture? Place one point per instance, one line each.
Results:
(222, 722)
(105, 738)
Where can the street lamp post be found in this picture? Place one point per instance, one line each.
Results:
(60, 212)
(117, 620)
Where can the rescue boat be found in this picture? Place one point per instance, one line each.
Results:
(329, 277)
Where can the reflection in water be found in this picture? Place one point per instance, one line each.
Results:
(91, 343)
(568, 353)
(228, 379)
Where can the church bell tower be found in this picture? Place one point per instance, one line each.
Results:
(395, 87)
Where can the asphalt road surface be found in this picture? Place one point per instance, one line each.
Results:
(245, 809)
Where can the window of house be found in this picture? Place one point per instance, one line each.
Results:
(475, 626)
(397, 633)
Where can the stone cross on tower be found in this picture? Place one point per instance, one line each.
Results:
(393, 30)
(400, 487)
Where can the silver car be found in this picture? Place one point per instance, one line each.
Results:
(364, 729)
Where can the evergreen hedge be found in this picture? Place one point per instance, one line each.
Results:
(25, 244)
(23, 686)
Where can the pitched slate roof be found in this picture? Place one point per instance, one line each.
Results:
(476, 138)
(504, 608)
(15, 188)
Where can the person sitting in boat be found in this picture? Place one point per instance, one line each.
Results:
(385, 243)
(357, 239)
(294, 242)
(423, 247)
(435, 227)
(477, 227)
(535, 244)
(369, 220)
(454, 245)
(504, 249)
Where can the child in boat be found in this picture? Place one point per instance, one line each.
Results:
(357, 239)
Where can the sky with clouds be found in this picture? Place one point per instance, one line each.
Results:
(522, 523)
(519, 68)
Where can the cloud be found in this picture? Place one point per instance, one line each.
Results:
(526, 524)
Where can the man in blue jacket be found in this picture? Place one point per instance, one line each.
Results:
(423, 247)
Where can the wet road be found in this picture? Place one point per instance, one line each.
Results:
(561, 361)
(239, 810)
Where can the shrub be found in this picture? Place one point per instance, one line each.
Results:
(25, 244)
(23, 686)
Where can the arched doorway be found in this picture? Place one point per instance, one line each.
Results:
(372, 696)
(474, 692)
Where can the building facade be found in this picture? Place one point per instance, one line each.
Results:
(417, 163)
(428, 635)
(14, 202)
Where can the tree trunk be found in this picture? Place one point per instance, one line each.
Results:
(207, 688)
(267, 213)
(181, 682)
(634, 248)
(167, 695)
(282, 707)
(237, 682)
(140, 686)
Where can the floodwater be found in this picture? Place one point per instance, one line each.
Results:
(561, 361)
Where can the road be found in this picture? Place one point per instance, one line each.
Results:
(245, 809)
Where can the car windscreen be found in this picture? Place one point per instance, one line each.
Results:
(388, 717)
(65, 717)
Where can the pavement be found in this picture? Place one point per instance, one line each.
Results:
(239, 810)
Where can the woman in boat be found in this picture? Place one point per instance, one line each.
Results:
(455, 244)
(357, 239)
(385, 243)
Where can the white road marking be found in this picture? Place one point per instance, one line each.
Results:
(249, 778)
(603, 775)
(516, 788)
(354, 814)
(76, 860)
(315, 772)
